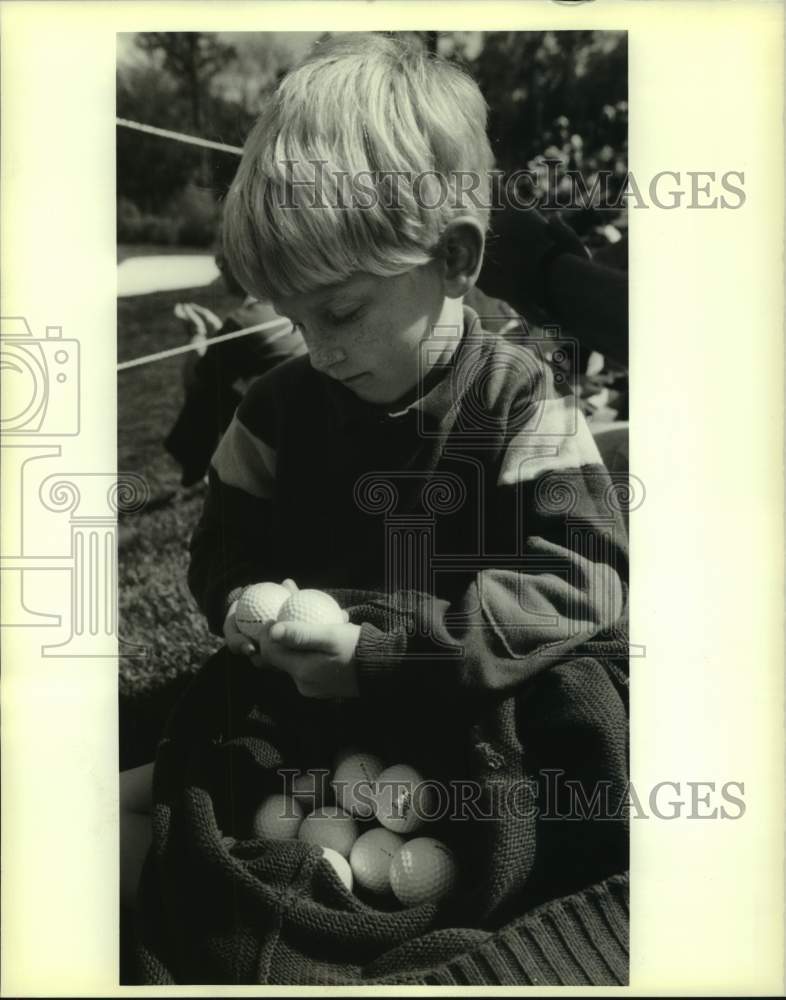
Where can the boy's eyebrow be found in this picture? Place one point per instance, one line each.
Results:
(333, 292)
(344, 298)
(328, 297)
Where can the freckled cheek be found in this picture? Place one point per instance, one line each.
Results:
(366, 343)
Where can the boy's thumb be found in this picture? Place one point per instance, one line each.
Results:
(300, 635)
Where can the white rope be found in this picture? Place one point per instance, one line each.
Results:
(165, 133)
(211, 342)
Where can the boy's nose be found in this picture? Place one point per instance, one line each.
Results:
(324, 358)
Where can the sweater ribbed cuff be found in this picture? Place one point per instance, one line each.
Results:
(378, 655)
(579, 940)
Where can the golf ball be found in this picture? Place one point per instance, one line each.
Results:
(329, 826)
(341, 756)
(310, 789)
(354, 783)
(423, 871)
(278, 818)
(340, 866)
(371, 857)
(258, 606)
(313, 607)
(402, 799)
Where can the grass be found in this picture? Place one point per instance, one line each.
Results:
(156, 609)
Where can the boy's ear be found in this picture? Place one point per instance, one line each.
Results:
(461, 252)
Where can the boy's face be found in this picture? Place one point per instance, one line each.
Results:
(366, 331)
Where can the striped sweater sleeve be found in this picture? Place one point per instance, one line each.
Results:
(558, 577)
(231, 545)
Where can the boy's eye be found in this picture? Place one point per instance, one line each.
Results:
(344, 316)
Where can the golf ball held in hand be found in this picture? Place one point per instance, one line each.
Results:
(258, 606)
(313, 607)
(423, 871)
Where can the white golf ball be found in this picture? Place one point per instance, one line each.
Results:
(341, 756)
(310, 789)
(329, 827)
(423, 871)
(340, 866)
(371, 857)
(401, 799)
(278, 818)
(354, 783)
(258, 606)
(314, 607)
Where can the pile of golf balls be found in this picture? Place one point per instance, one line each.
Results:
(363, 836)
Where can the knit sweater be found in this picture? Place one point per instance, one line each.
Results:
(483, 506)
(473, 539)
(542, 894)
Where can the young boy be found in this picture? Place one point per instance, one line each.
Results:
(411, 456)
(402, 384)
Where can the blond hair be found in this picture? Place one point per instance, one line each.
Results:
(364, 154)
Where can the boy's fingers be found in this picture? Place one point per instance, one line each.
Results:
(238, 643)
(299, 635)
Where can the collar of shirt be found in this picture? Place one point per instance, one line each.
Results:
(433, 402)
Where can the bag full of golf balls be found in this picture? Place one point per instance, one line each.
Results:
(381, 839)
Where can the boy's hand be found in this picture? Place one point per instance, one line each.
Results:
(236, 642)
(320, 659)
(241, 644)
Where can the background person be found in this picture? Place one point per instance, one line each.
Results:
(216, 378)
(536, 262)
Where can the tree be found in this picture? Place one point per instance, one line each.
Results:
(150, 170)
(191, 59)
(262, 58)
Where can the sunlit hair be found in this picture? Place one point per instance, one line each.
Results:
(379, 112)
